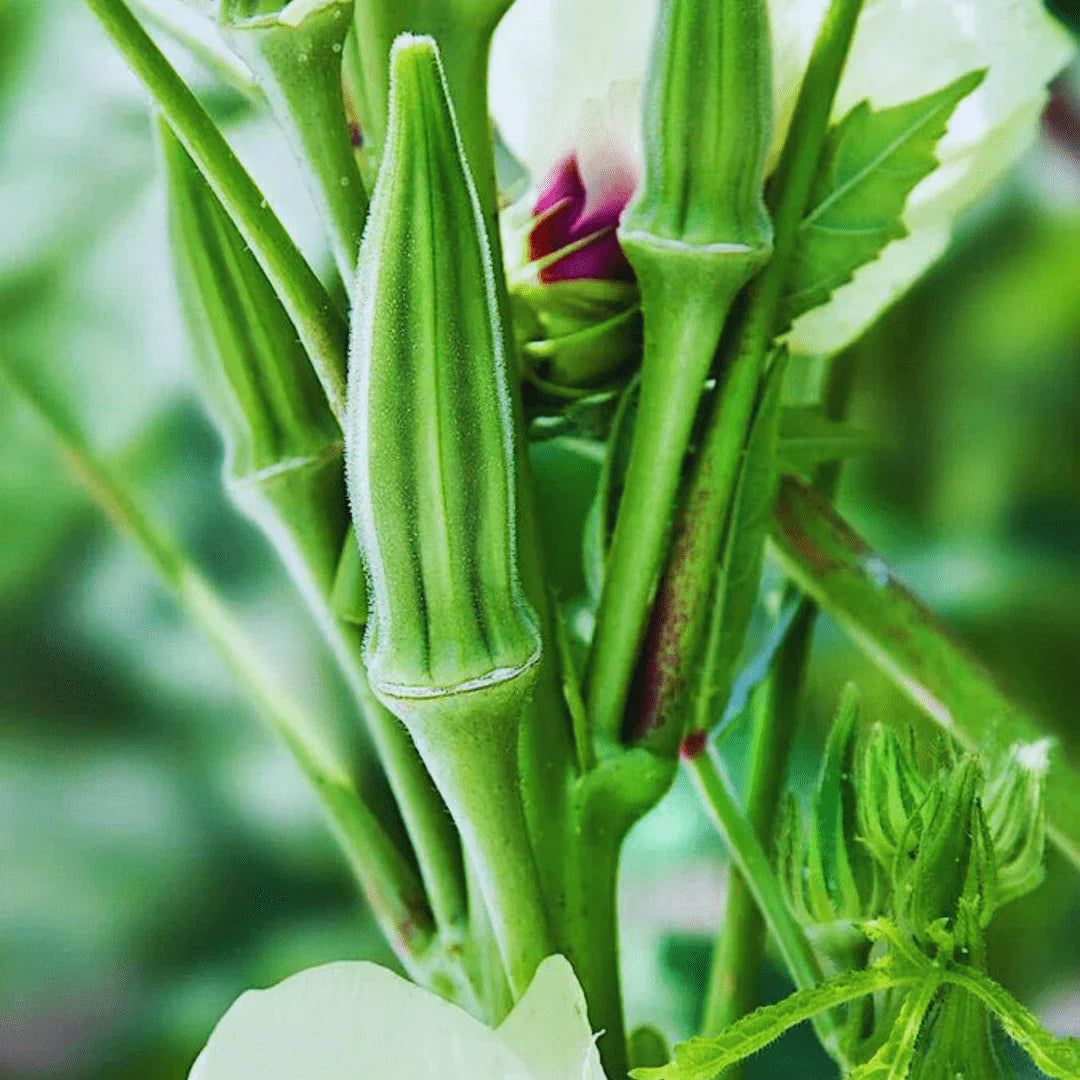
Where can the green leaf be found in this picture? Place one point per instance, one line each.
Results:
(744, 551)
(702, 1059)
(871, 162)
(1057, 1057)
(808, 438)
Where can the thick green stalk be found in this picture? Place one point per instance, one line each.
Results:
(318, 322)
(389, 883)
(681, 332)
(837, 569)
(735, 979)
(597, 957)
(749, 856)
(695, 233)
(472, 757)
(682, 615)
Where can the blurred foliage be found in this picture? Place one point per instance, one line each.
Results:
(158, 854)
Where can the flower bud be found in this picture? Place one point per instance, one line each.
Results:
(707, 121)
(295, 52)
(891, 791)
(950, 882)
(429, 431)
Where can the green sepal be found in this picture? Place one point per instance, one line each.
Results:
(283, 446)
(295, 53)
(577, 335)
(957, 1040)
(841, 877)
(430, 433)
(828, 875)
(1016, 820)
(891, 792)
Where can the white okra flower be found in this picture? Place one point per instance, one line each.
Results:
(352, 1020)
(566, 79)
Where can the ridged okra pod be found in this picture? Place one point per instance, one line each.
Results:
(295, 52)
(452, 644)
(283, 447)
(285, 470)
(695, 233)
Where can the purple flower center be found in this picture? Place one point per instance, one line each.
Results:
(565, 218)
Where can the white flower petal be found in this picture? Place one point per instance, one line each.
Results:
(551, 56)
(353, 1021)
(549, 1027)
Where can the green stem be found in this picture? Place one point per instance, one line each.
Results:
(753, 864)
(735, 980)
(472, 757)
(680, 341)
(606, 801)
(682, 610)
(598, 963)
(318, 322)
(837, 569)
(682, 614)
(389, 883)
(205, 46)
(427, 820)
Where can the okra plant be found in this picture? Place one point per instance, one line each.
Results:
(617, 224)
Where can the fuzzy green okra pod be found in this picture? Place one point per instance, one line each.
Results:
(452, 643)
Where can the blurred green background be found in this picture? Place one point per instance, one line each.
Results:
(159, 854)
